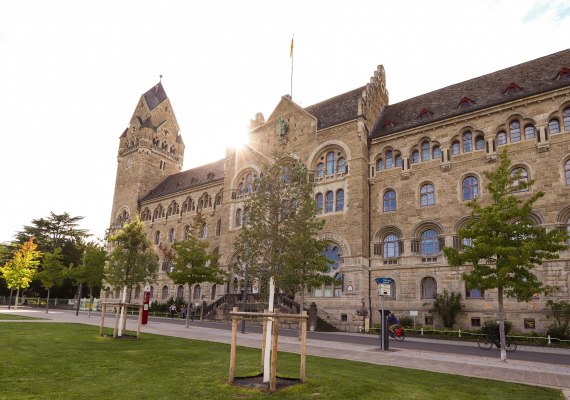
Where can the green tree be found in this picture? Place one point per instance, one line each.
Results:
(52, 272)
(193, 263)
(560, 310)
(133, 260)
(20, 270)
(505, 245)
(91, 270)
(278, 237)
(447, 305)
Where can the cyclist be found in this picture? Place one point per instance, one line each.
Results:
(393, 322)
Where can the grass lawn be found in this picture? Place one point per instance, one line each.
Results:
(70, 361)
(13, 317)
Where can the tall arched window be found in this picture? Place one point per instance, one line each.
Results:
(197, 292)
(157, 237)
(341, 165)
(398, 160)
(204, 231)
(180, 292)
(320, 169)
(415, 157)
(329, 201)
(429, 243)
(238, 217)
(425, 151)
(436, 153)
(389, 159)
(213, 293)
(566, 119)
(522, 177)
(529, 132)
(455, 148)
(567, 172)
(379, 165)
(470, 188)
(171, 235)
(164, 294)
(467, 142)
(427, 195)
(331, 162)
(187, 233)
(501, 138)
(428, 287)
(339, 200)
(248, 183)
(515, 131)
(554, 126)
(319, 201)
(389, 201)
(480, 143)
(391, 246)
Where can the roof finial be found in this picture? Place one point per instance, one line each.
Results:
(160, 78)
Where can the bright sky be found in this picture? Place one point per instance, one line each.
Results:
(73, 72)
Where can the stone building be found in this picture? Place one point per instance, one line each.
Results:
(392, 182)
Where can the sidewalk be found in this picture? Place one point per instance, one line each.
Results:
(531, 373)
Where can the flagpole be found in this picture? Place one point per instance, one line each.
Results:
(291, 54)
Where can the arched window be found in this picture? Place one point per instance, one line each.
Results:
(238, 217)
(389, 201)
(171, 235)
(415, 157)
(501, 138)
(522, 177)
(197, 292)
(137, 292)
(467, 142)
(389, 159)
(515, 131)
(398, 160)
(164, 294)
(157, 237)
(329, 202)
(331, 161)
(180, 292)
(391, 246)
(567, 172)
(379, 165)
(529, 132)
(429, 243)
(151, 292)
(240, 188)
(427, 195)
(204, 231)
(339, 200)
(566, 118)
(428, 287)
(470, 188)
(219, 227)
(213, 293)
(436, 153)
(187, 232)
(455, 148)
(249, 183)
(320, 169)
(341, 165)
(480, 143)
(474, 293)
(554, 126)
(425, 151)
(319, 201)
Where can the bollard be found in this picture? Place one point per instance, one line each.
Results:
(422, 332)
(460, 333)
(548, 340)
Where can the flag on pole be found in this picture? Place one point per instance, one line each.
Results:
(291, 51)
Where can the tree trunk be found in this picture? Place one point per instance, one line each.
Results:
(47, 300)
(188, 306)
(90, 302)
(502, 338)
(302, 306)
(17, 295)
(10, 299)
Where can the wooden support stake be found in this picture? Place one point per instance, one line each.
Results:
(102, 319)
(263, 339)
(140, 321)
(303, 347)
(234, 345)
(116, 322)
(273, 373)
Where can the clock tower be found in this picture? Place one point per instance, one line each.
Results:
(150, 149)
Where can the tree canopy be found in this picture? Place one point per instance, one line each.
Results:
(133, 260)
(52, 272)
(279, 231)
(20, 270)
(503, 243)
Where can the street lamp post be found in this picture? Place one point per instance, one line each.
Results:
(244, 297)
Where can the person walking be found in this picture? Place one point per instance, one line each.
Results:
(193, 312)
(172, 310)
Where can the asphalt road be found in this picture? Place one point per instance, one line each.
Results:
(411, 343)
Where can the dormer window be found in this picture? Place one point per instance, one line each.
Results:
(563, 74)
(512, 88)
(210, 175)
(466, 102)
(389, 124)
(425, 113)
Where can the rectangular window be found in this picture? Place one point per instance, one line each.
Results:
(428, 320)
(343, 317)
(476, 322)
(529, 323)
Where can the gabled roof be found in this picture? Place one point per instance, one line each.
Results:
(154, 96)
(188, 179)
(336, 110)
(532, 77)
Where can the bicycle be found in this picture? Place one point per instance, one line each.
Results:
(399, 333)
(486, 342)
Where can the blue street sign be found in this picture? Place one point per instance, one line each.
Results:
(385, 281)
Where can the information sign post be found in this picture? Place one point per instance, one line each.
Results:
(384, 289)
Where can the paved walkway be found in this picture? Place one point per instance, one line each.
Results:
(532, 373)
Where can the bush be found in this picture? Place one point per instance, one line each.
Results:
(447, 306)
(407, 321)
(558, 332)
(491, 328)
